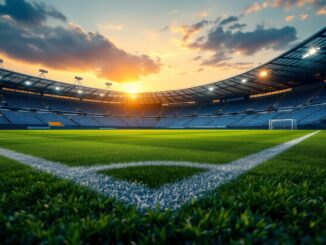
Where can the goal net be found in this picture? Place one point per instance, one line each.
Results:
(282, 124)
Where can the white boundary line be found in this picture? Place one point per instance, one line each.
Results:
(169, 196)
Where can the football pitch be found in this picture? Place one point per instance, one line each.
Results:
(279, 200)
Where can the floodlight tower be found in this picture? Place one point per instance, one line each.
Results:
(43, 72)
(78, 80)
(108, 85)
(1, 63)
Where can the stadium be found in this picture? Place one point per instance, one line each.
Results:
(237, 161)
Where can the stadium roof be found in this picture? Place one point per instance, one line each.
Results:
(302, 64)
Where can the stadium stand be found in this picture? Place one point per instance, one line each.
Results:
(3, 120)
(21, 117)
(47, 117)
(308, 107)
(295, 89)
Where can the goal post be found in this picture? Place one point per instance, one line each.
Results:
(282, 124)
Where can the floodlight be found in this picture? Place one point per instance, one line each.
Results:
(312, 51)
(43, 71)
(211, 89)
(28, 83)
(57, 88)
(78, 78)
(243, 80)
(263, 73)
(80, 91)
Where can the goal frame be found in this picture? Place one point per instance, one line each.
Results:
(293, 123)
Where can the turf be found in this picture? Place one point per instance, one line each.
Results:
(279, 202)
(153, 176)
(89, 147)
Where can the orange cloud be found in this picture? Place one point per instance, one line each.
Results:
(286, 4)
(255, 7)
(321, 11)
(289, 18)
(189, 30)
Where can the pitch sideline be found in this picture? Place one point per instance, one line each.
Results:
(169, 196)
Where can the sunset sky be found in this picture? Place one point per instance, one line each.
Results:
(151, 45)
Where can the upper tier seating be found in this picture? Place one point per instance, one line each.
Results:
(294, 99)
(25, 101)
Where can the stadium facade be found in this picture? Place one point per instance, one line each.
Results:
(291, 86)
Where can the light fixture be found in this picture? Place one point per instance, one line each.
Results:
(312, 51)
(211, 89)
(57, 88)
(43, 72)
(78, 80)
(263, 73)
(243, 80)
(28, 83)
(80, 91)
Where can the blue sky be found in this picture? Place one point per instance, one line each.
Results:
(143, 45)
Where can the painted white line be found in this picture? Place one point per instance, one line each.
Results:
(96, 168)
(170, 196)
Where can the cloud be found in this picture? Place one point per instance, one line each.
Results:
(115, 27)
(321, 11)
(29, 13)
(231, 23)
(188, 31)
(319, 5)
(304, 16)
(301, 16)
(290, 3)
(203, 14)
(289, 18)
(165, 28)
(200, 69)
(237, 26)
(216, 59)
(233, 65)
(228, 20)
(255, 7)
(197, 58)
(224, 42)
(67, 47)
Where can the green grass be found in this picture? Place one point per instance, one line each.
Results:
(152, 176)
(89, 147)
(279, 202)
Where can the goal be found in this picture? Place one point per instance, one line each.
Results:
(282, 124)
